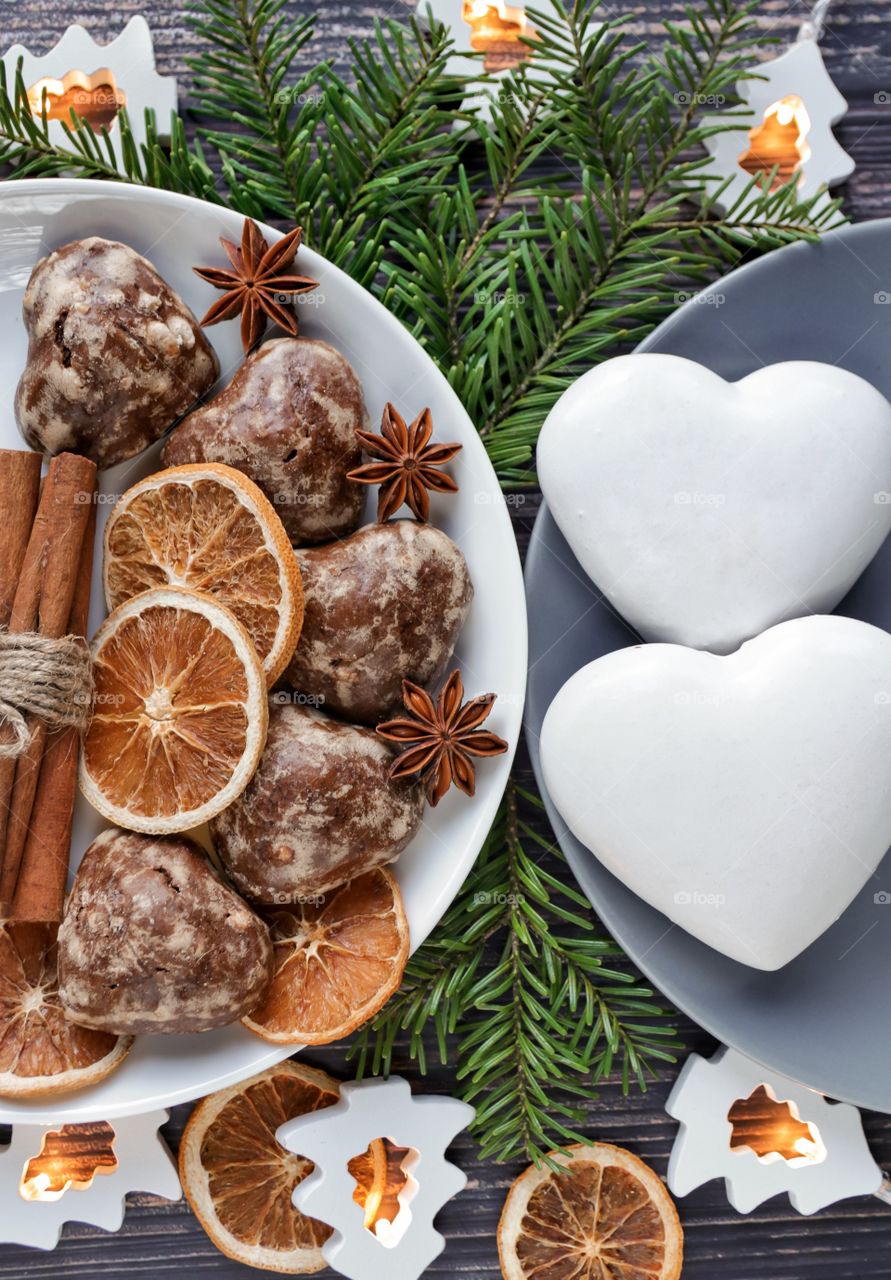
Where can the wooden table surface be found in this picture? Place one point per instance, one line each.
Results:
(773, 1243)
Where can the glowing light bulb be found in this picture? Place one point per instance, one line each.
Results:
(37, 1187)
(96, 98)
(779, 141)
(495, 29)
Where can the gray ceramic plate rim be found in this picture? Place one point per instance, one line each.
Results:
(782, 1055)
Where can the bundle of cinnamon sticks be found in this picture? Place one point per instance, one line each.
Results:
(46, 559)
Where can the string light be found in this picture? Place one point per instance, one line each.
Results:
(68, 1160)
(96, 98)
(795, 105)
(495, 30)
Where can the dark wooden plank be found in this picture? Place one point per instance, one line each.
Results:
(850, 1240)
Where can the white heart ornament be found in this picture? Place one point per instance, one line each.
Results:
(747, 797)
(707, 511)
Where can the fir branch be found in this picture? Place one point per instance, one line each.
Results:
(536, 1032)
(258, 131)
(383, 149)
(347, 160)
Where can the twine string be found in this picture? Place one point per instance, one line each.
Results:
(49, 679)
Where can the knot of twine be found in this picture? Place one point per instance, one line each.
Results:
(49, 679)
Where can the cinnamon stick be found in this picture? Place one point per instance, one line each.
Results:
(43, 875)
(19, 493)
(42, 603)
(19, 487)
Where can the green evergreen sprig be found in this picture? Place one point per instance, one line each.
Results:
(240, 81)
(534, 1034)
(347, 160)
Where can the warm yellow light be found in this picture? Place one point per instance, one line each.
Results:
(505, 13)
(384, 1189)
(39, 1188)
(95, 97)
(779, 141)
(69, 1159)
(773, 1130)
(373, 1207)
(495, 29)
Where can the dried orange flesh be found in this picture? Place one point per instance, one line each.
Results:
(252, 1178)
(40, 1050)
(210, 529)
(608, 1218)
(180, 712)
(175, 723)
(335, 963)
(605, 1205)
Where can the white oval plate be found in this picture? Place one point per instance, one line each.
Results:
(176, 233)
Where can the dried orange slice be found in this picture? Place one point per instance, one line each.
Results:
(240, 1181)
(40, 1050)
(180, 715)
(336, 962)
(608, 1218)
(208, 527)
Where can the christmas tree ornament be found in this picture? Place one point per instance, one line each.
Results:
(497, 29)
(381, 1176)
(794, 105)
(96, 81)
(765, 1135)
(50, 1175)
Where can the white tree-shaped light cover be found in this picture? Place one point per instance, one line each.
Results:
(830, 1162)
(794, 105)
(34, 1210)
(97, 80)
(368, 1111)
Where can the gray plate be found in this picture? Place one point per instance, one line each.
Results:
(824, 1019)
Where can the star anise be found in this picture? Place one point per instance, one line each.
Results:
(441, 738)
(408, 464)
(260, 276)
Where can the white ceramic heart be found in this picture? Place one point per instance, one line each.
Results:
(708, 511)
(747, 797)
